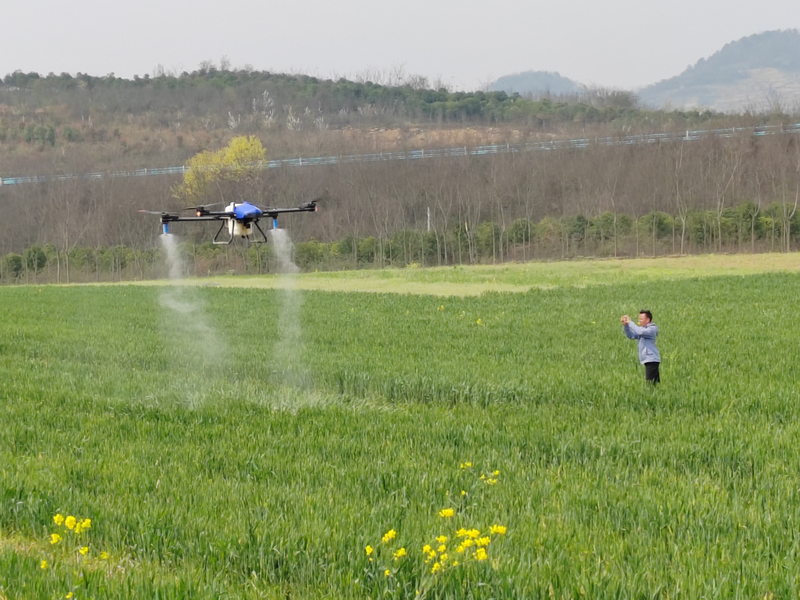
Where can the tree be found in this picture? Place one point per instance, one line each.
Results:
(207, 172)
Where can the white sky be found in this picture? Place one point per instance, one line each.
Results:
(465, 43)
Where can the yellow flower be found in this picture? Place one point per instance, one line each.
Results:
(446, 513)
(473, 533)
(104, 555)
(491, 481)
(496, 473)
(70, 522)
(436, 567)
(86, 524)
(426, 548)
(58, 519)
(461, 532)
(479, 322)
(463, 493)
(498, 529)
(43, 564)
(432, 554)
(442, 548)
(78, 528)
(386, 572)
(369, 550)
(390, 535)
(467, 543)
(461, 549)
(54, 538)
(442, 539)
(84, 550)
(400, 554)
(484, 541)
(465, 465)
(480, 554)
(69, 595)
(443, 558)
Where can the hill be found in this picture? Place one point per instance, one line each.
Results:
(756, 72)
(536, 82)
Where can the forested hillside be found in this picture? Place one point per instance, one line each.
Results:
(756, 72)
(716, 193)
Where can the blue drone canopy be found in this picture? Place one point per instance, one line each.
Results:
(245, 210)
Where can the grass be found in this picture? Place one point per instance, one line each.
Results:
(466, 281)
(219, 451)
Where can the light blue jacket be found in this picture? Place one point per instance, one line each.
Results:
(647, 341)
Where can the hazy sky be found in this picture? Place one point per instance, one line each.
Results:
(464, 43)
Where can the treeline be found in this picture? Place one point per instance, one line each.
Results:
(55, 124)
(168, 117)
(742, 228)
(302, 100)
(715, 194)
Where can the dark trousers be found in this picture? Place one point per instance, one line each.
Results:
(651, 372)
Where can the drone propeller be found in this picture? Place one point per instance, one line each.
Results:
(202, 206)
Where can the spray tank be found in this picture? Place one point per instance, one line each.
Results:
(237, 228)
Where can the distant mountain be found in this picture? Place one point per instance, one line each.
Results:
(755, 72)
(535, 83)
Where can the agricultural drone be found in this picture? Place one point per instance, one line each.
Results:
(241, 219)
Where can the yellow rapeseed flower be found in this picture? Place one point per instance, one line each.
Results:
(368, 549)
(465, 465)
(86, 524)
(426, 548)
(446, 513)
(43, 564)
(442, 539)
(69, 595)
(467, 543)
(496, 473)
(443, 558)
(70, 522)
(461, 532)
(104, 555)
(473, 533)
(84, 550)
(58, 519)
(78, 528)
(436, 567)
(400, 554)
(390, 535)
(480, 554)
(463, 493)
(54, 538)
(498, 529)
(387, 572)
(481, 542)
(442, 548)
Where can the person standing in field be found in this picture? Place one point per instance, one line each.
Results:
(646, 333)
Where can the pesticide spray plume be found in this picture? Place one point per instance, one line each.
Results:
(193, 342)
(288, 350)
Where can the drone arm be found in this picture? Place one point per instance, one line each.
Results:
(167, 218)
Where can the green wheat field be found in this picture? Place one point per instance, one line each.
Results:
(424, 433)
